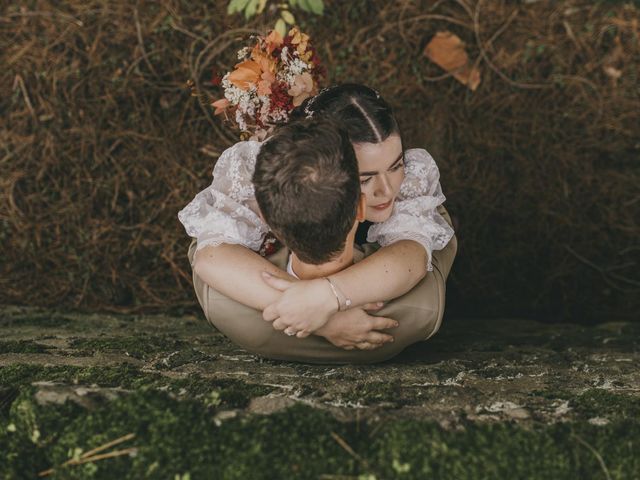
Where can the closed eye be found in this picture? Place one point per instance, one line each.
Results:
(396, 167)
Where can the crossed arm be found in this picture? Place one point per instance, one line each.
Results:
(309, 305)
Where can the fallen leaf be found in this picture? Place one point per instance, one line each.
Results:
(447, 51)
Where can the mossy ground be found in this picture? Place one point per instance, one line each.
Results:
(483, 399)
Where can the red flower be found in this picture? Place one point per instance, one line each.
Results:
(280, 98)
(216, 78)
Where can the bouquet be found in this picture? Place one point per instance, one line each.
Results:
(274, 76)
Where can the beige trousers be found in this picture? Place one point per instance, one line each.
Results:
(419, 313)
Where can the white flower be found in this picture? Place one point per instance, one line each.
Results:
(297, 66)
(284, 54)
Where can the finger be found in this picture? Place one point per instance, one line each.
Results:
(366, 346)
(303, 334)
(378, 338)
(382, 323)
(275, 282)
(270, 313)
(348, 347)
(373, 306)
(278, 324)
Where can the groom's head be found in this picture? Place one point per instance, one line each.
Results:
(307, 187)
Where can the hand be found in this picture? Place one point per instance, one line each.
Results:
(304, 306)
(355, 328)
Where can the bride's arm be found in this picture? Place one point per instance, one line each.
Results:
(386, 274)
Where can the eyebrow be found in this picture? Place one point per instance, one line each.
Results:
(368, 174)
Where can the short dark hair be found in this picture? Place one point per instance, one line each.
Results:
(307, 187)
(360, 110)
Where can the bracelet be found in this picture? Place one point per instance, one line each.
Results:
(335, 290)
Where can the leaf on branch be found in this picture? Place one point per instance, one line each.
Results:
(288, 17)
(313, 6)
(251, 9)
(447, 51)
(317, 6)
(236, 6)
(281, 27)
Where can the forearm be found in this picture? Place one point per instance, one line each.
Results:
(386, 274)
(235, 271)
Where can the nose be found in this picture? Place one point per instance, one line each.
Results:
(383, 186)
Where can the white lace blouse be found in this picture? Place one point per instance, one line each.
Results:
(227, 212)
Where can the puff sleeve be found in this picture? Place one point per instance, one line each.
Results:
(415, 216)
(226, 211)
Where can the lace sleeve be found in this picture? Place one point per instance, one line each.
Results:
(226, 211)
(415, 215)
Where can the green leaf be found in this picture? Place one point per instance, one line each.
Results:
(317, 6)
(287, 17)
(293, 3)
(304, 5)
(281, 27)
(251, 9)
(236, 6)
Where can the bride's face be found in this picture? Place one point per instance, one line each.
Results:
(381, 168)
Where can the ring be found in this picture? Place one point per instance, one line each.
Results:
(290, 333)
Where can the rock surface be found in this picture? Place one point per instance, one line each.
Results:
(481, 372)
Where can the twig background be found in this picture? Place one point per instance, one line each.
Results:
(102, 143)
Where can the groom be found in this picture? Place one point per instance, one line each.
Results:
(307, 187)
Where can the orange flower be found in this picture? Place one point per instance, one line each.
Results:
(264, 85)
(273, 41)
(221, 105)
(299, 39)
(246, 74)
(266, 62)
(303, 87)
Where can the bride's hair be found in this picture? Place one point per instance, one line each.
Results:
(358, 109)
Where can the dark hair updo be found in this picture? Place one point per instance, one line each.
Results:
(358, 109)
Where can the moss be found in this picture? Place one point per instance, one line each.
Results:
(175, 437)
(30, 432)
(422, 450)
(602, 403)
(123, 375)
(228, 393)
(29, 317)
(182, 357)
(369, 393)
(137, 346)
(231, 393)
(22, 346)
(552, 394)
(180, 437)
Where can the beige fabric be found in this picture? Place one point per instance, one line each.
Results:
(419, 313)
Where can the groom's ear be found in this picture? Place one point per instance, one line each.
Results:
(361, 213)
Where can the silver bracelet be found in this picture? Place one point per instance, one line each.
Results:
(347, 301)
